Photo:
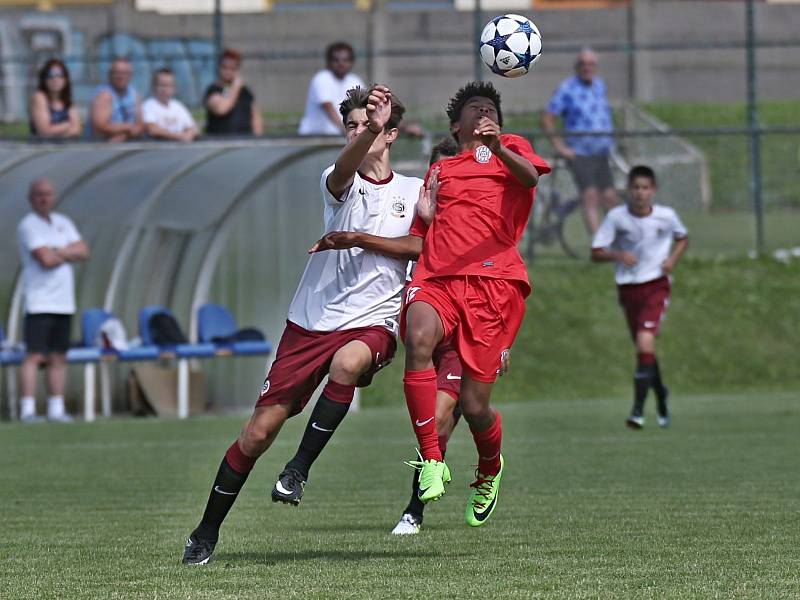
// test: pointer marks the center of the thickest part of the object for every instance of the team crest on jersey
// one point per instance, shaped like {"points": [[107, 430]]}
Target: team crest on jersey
{"points": [[398, 207], [483, 155]]}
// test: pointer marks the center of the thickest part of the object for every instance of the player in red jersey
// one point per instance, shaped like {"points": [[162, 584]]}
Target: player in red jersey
{"points": [[471, 283]]}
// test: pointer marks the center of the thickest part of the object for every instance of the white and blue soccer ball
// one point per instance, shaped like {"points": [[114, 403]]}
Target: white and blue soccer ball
{"points": [[510, 45]]}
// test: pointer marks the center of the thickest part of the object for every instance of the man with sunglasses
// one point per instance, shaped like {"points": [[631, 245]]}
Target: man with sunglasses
{"points": [[327, 90], [582, 103]]}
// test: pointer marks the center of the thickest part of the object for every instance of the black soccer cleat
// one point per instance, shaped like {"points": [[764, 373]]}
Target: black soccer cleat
{"points": [[289, 487], [198, 550]]}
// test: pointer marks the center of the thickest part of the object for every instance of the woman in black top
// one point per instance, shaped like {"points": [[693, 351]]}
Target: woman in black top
{"points": [[230, 105], [51, 109]]}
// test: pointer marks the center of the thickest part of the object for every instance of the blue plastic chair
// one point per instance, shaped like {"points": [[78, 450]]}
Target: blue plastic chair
{"points": [[215, 321], [10, 356], [92, 320]]}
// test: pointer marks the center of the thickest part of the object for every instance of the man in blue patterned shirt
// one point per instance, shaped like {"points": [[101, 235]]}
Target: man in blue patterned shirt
{"points": [[582, 104]]}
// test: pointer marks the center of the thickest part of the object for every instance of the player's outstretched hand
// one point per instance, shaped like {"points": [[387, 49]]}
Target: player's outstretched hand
{"points": [[426, 205], [489, 132], [335, 240], [379, 107]]}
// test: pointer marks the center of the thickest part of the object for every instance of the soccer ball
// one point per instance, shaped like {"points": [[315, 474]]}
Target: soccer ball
{"points": [[510, 45]]}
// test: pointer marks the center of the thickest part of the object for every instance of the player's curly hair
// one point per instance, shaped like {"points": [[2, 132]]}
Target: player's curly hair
{"points": [[358, 97], [484, 89]]}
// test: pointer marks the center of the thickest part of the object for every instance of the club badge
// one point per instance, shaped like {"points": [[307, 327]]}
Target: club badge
{"points": [[483, 155]]}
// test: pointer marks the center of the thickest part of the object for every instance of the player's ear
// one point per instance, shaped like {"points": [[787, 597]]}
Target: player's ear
{"points": [[454, 129], [392, 134]]}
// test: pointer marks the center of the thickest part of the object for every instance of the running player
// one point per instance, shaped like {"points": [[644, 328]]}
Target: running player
{"points": [[342, 320], [470, 283], [639, 238]]}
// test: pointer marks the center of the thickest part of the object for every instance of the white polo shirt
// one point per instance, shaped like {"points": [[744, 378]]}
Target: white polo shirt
{"points": [[46, 290], [325, 87], [648, 238], [174, 117], [343, 289]]}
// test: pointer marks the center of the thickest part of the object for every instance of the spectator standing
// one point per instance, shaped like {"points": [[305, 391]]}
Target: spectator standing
{"points": [[51, 110], [582, 103], [48, 243], [327, 90], [230, 105], [165, 117], [115, 114]]}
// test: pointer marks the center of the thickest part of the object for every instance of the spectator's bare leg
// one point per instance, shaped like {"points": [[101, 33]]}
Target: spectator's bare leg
{"points": [[56, 374], [27, 373], [609, 198], [590, 201]]}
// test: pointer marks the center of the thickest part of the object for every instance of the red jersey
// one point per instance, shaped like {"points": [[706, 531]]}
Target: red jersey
{"points": [[481, 214]]}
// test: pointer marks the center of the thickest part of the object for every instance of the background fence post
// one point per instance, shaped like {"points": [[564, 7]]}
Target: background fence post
{"points": [[753, 124]]}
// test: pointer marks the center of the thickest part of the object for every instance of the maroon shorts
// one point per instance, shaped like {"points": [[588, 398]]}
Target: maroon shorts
{"points": [[483, 315], [304, 358], [644, 304], [448, 368]]}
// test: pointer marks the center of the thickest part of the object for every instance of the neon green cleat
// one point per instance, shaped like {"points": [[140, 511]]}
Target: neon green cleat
{"points": [[483, 498], [433, 474]]}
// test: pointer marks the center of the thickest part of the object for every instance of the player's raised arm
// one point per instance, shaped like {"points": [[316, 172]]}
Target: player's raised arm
{"points": [[379, 111]]}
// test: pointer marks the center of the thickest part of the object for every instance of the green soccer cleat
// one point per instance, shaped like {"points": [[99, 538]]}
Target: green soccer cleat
{"points": [[433, 474], [483, 498]]}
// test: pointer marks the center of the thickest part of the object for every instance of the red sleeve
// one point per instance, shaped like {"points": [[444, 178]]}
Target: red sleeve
{"points": [[523, 147], [419, 228]]}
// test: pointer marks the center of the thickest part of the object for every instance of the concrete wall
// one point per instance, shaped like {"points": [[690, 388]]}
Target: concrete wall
{"points": [[439, 49]]}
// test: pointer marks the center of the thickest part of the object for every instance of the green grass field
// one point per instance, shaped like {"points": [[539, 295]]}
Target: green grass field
{"points": [[707, 509]]}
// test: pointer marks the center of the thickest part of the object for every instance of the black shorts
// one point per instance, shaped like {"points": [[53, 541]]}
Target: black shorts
{"points": [[46, 333], [592, 171]]}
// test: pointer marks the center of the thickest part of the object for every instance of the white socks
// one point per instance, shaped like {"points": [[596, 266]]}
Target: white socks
{"points": [[27, 407], [55, 407]]}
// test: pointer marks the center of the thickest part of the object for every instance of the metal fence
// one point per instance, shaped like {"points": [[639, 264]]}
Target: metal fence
{"points": [[739, 175]]}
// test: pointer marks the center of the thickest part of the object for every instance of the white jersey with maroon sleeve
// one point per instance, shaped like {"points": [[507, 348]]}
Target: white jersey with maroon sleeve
{"points": [[648, 238], [343, 289]]}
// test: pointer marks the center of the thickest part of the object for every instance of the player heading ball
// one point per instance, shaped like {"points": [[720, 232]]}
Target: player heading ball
{"points": [[471, 283]]}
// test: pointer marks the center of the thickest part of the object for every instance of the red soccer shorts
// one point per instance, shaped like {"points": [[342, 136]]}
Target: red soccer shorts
{"points": [[304, 358], [644, 304], [448, 368], [482, 314]]}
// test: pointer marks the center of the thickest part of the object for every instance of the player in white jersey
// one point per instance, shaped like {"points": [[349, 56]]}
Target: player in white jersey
{"points": [[342, 320], [646, 241]]}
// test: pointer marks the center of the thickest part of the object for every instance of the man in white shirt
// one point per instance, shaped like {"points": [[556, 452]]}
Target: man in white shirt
{"points": [[639, 238], [48, 242], [342, 320], [164, 117], [327, 90]]}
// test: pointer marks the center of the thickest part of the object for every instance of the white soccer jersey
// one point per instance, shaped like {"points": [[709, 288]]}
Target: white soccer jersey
{"points": [[343, 289], [648, 238]]}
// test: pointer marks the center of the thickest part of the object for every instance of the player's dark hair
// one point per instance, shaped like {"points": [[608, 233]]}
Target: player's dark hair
{"points": [[445, 147], [642, 171], [358, 97], [484, 89], [338, 47]]}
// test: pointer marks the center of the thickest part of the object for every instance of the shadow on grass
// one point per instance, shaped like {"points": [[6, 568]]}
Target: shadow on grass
{"points": [[272, 558]]}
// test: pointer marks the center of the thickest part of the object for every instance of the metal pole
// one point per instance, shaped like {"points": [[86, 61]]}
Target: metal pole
{"points": [[218, 35], [478, 17], [630, 54], [753, 125]]}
